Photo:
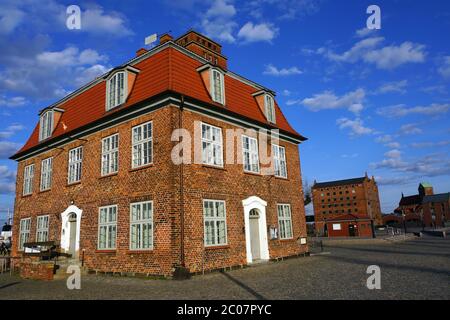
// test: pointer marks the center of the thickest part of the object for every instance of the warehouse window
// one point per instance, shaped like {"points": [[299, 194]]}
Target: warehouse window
{"points": [[141, 226], [116, 88], [250, 154], [217, 86], [212, 147], [270, 108], [75, 165], [107, 227], [42, 228], [110, 154], [46, 174], [215, 223], [285, 221], [279, 158], [24, 234], [142, 149], [28, 175], [46, 125]]}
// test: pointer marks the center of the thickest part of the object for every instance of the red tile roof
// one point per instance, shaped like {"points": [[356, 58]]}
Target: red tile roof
{"points": [[166, 70]]}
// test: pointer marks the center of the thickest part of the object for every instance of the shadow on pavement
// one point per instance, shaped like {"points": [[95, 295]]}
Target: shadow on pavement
{"points": [[9, 285], [244, 286]]}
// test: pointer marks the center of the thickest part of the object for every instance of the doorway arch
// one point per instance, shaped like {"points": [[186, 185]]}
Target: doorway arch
{"points": [[70, 230], [255, 229]]}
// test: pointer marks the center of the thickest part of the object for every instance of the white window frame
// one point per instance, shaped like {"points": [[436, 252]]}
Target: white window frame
{"points": [[75, 165], [114, 97], [279, 159], [46, 125], [220, 99], [108, 224], [24, 232], [336, 227], [137, 158], [269, 107], [141, 222], [42, 228], [215, 219], [28, 177], [46, 174], [253, 155], [283, 218], [110, 155], [212, 147]]}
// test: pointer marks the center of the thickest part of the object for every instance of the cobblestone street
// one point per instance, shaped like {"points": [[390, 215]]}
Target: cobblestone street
{"points": [[416, 269]]}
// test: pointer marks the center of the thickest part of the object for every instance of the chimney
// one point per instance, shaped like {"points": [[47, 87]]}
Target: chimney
{"points": [[140, 52], [165, 38]]}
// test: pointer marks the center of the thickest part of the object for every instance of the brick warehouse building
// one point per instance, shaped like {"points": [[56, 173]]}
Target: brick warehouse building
{"points": [[346, 208], [97, 175]]}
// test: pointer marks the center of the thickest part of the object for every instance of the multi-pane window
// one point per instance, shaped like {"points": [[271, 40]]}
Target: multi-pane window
{"points": [[46, 174], [107, 227], [270, 108], [116, 90], [110, 154], [141, 226], [75, 164], [285, 221], [279, 159], [250, 154], [42, 228], [28, 175], [217, 86], [46, 125], [24, 233], [212, 145], [142, 149], [215, 222]]}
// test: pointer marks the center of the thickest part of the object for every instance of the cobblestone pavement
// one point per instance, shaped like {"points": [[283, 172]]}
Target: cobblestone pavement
{"points": [[416, 269]]}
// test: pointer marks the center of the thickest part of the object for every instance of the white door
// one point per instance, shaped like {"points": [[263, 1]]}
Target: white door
{"points": [[73, 234], [254, 235]]}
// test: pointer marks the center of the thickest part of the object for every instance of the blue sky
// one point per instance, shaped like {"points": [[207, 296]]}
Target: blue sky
{"points": [[375, 101]]}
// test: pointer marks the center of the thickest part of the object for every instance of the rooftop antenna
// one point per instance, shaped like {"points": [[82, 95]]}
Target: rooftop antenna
{"points": [[153, 38]]}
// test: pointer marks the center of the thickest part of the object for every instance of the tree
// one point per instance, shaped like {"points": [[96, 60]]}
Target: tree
{"points": [[307, 192]]}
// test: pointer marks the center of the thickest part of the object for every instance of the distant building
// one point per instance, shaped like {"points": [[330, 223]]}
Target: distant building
{"points": [[346, 208], [433, 210]]}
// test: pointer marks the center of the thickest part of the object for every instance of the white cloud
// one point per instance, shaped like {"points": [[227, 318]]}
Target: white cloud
{"points": [[11, 130], [10, 19], [96, 21], [393, 145], [419, 145], [393, 154], [7, 149], [258, 32], [410, 128], [397, 86], [444, 70], [402, 110], [69, 57], [353, 101], [365, 32], [388, 57], [7, 177], [12, 102], [286, 93], [274, 71], [349, 156], [384, 139], [218, 21], [356, 126], [282, 9]]}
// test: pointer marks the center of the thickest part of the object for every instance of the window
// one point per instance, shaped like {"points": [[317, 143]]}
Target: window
{"points": [[24, 235], [107, 228], [279, 157], [75, 165], [42, 228], [212, 145], [142, 149], [28, 175], [141, 226], [270, 108], [46, 125], [110, 154], [250, 154], [285, 221], [215, 222], [336, 226], [46, 174], [116, 89], [217, 86]]}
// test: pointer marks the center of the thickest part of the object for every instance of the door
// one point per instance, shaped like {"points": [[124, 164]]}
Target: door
{"points": [[254, 235], [351, 230], [73, 234]]}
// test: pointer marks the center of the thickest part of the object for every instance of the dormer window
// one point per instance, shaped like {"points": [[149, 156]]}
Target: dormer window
{"points": [[217, 86], [270, 108], [116, 90], [46, 125]]}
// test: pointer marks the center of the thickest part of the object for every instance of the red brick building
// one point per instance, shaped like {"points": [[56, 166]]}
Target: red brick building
{"points": [[98, 173], [346, 208], [427, 208]]}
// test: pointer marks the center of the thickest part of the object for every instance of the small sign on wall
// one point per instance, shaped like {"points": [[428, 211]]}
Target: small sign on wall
{"points": [[336, 226], [273, 231], [302, 240]]}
